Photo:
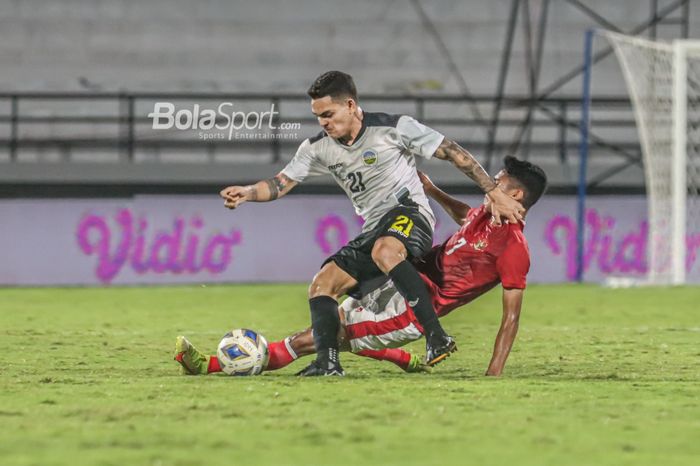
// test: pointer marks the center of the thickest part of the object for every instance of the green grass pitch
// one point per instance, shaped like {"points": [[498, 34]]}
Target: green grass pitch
{"points": [[597, 376]]}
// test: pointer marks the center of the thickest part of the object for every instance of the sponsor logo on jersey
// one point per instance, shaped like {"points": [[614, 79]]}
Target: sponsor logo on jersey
{"points": [[369, 157], [398, 232], [336, 170]]}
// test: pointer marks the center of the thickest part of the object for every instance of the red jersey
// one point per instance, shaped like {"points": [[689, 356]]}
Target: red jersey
{"points": [[474, 260]]}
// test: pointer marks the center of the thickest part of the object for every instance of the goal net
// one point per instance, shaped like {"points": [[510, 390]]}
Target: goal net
{"points": [[663, 80]]}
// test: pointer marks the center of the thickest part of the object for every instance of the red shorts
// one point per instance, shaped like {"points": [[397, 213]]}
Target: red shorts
{"points": [[380, 320]]}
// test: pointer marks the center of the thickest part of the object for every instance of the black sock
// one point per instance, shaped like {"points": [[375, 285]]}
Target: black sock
{"points": [[412, 288], [326, 323]]}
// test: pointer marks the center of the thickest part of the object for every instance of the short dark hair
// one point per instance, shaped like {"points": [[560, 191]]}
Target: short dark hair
{"points": [[335, 84], [530, 178]]}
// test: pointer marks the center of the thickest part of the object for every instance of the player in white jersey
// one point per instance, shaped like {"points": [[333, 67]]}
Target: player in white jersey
{"points": [[371, 156]]}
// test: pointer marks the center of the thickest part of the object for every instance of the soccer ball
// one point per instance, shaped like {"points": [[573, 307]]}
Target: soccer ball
{"points": [[242, 352]]}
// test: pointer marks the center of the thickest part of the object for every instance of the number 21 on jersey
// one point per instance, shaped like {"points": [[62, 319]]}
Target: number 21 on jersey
{"points": [[356, 183], [402, 225]]}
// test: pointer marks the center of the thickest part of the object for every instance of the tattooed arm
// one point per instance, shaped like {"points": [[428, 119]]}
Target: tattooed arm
{"points": [[501, 204], [466, 163], [262, 191]]}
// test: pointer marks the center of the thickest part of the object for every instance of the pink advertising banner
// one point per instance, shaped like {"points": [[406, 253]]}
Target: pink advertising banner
{"points": [[194, 239]]}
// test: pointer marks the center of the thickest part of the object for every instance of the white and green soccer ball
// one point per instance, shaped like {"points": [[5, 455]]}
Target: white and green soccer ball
{"points": [[242, 352]]}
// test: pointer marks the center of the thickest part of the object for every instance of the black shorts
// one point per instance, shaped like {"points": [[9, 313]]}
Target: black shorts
{"points": [[405, 223]]}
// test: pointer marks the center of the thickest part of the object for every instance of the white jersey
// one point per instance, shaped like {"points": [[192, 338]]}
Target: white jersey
{"points": [[378, 169]]}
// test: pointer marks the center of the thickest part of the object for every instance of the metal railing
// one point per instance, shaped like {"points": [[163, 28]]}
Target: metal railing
{"points": [[126, 128]]}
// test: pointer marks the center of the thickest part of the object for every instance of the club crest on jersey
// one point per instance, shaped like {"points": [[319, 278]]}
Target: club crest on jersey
{"points": [[480, 245], [369, 157]]}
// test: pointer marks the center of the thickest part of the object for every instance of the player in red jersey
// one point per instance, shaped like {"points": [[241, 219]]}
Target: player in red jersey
{"points": [[479, 256]]}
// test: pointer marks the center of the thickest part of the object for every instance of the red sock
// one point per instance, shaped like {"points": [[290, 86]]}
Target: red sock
{"points": [[281, 355], [213, 364], [396, 355]]}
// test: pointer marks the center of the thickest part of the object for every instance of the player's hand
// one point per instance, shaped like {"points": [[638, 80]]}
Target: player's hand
{"points": [[502, 205], [234, 196], [428, 184]]}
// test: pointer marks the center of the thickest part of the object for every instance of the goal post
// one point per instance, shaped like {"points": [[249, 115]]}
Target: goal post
{"points": [[679, 191], [663, 81]]}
